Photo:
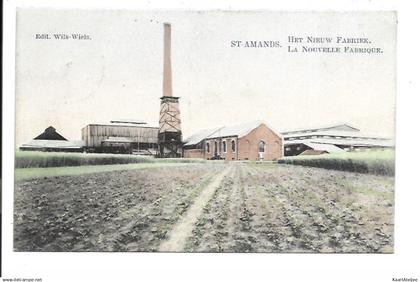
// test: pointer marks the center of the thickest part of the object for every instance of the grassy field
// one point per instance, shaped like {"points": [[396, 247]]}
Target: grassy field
{"points": [[42, 172], [215, 206], [373, 162], [28, 159]]}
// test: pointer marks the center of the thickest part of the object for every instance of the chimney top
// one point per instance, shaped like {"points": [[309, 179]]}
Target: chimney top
{"points": [[167, 69]]}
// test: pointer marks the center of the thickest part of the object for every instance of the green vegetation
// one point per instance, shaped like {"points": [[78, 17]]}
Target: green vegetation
{"points": [[373, 162], [41, 172], [25, 159]]}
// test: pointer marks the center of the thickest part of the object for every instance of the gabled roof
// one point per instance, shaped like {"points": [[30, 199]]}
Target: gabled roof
{"points": [[336, 127], [239, 130], [199, 136]]}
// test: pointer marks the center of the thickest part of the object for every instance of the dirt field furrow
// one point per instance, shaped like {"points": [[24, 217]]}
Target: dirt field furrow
{"points": [[120, 211], [183, 229], [334, 206], [211, 230], [209, 207]]}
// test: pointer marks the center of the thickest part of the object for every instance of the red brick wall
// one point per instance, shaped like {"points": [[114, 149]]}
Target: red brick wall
{"points": [[229, 154], [193, 153], [248, 145]]}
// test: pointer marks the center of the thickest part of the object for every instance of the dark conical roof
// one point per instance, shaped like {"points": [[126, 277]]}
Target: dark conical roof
{"points": [[50, 134]]}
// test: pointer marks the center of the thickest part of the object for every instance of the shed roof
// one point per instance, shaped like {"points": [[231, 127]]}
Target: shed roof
{"points": [[324, 147], [56, 144]]}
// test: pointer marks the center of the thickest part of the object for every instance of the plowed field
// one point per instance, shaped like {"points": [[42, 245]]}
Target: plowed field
{"points": [[211, 207]]}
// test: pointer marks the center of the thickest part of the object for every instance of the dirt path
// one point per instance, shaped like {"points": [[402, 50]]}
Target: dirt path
{"points": [[116, 211], [183, 229]]}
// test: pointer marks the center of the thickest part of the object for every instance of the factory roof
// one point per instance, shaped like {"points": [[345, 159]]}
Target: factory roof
{"points": [[128, 121], [337, 127], [344, 142], [123, 125], [199, 136], [239, 130], [339, 133]]}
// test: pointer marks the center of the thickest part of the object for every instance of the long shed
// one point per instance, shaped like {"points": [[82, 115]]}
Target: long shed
{"points": [[123, 138]]}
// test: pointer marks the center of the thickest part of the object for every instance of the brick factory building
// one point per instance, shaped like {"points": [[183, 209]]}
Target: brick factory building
{"points": [[251, 141]]}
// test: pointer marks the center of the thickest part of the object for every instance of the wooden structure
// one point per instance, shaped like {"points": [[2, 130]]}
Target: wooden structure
{"points": [[251, 141], [170, 134], [120, 138]]}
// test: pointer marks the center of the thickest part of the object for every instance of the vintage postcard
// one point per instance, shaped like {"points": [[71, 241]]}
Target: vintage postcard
{"points": [[204, 131]]}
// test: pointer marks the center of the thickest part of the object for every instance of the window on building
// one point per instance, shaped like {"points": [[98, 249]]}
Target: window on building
{"points": [[208, 147], [233, 146], [224, 146], [261, 147], [215, 148]]}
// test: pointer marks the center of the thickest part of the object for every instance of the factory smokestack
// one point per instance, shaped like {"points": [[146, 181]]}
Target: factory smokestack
{"points": [[170, 135], [167, 68]]}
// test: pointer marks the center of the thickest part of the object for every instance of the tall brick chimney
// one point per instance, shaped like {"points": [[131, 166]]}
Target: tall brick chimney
{"points": [[170, 134], [167, 68]]}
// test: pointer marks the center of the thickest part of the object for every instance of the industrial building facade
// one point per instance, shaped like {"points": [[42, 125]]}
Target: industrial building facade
{"points": [[331, 139], [251, 141], [120, 138]]}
